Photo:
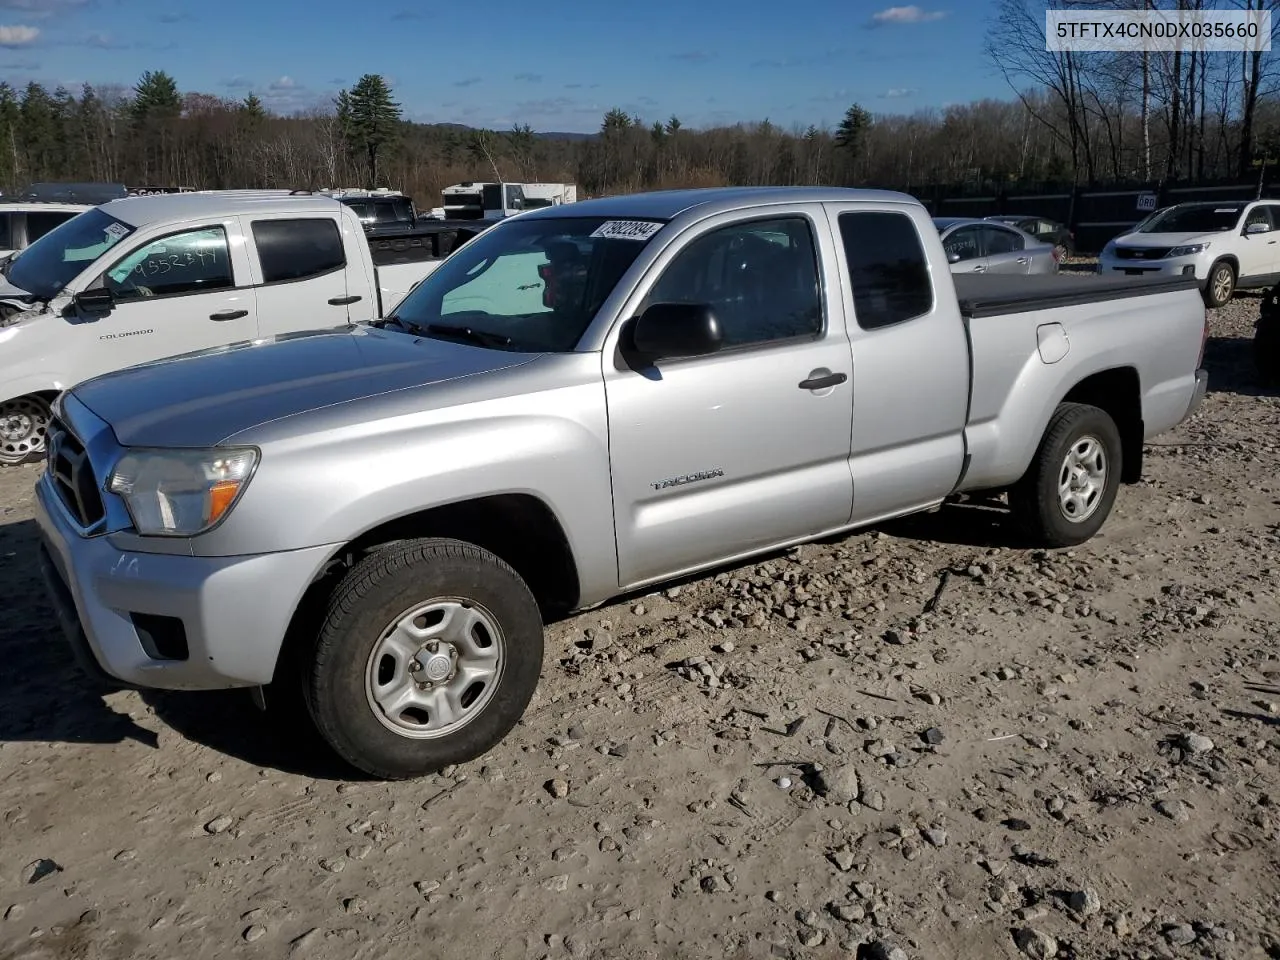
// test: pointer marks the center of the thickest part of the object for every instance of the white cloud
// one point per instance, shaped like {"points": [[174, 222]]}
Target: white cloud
{"points": [[18, 36], [894, 93], [284, 83], [911, 14]]}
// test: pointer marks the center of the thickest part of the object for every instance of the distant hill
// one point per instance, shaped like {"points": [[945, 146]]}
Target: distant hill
{"points": [[541, 135]]}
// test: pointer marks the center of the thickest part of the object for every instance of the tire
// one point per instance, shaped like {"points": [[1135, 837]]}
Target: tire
{"points": [[347, 686], [1062, 251], [24, 426], [1037, 505], [1221, 285]]}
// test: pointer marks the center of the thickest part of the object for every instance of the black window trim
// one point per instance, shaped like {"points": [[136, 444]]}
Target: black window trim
{"points": [[851, 303], [101, 281], [759, 345], [340, 268]]}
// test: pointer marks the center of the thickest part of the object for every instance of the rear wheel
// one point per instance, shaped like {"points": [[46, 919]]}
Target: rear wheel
{"points": [[428, 656], [1068, 491], [1221, 285], [24, 425]]}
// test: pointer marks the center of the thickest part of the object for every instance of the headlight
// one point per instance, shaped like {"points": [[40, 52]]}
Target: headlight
{"points": [[180, 493], [1188, 250]]}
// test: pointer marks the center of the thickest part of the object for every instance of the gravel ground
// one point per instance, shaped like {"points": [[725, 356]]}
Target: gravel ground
{"points": [[915, 742]]}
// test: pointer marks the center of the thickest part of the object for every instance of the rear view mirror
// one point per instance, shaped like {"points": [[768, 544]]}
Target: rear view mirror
{"points": [[670, 330], [953, 257], [1257, 228], [98, 301]]}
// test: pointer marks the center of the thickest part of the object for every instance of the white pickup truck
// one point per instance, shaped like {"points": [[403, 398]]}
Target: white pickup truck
{"points": [[145, 278]]}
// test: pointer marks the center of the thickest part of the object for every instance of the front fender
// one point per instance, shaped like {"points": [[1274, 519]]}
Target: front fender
{"points": [[333, 487]]}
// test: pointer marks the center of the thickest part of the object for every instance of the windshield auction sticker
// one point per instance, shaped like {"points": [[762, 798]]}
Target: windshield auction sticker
{"points": [[627, 229]]}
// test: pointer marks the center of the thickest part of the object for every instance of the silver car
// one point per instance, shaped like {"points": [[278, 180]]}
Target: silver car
{"points": [[982, 246]]}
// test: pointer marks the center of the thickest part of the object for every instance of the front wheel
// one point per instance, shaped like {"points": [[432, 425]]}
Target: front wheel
{"points": [[24, 425], [1068, 491], [1221, 285], [428, 656]]}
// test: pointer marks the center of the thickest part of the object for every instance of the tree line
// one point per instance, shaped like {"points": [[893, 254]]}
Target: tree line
{"points": [[1122, 118]]}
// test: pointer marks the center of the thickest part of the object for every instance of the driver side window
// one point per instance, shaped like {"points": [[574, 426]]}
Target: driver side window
{"points": [[1260, 215], [760, 277], [184, 263], [964, 243]]}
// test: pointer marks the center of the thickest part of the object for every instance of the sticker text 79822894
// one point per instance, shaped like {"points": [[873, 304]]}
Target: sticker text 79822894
{"points": [[627, 229]]}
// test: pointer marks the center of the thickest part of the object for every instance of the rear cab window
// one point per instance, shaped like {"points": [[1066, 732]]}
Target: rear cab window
{"points": [[298, 249], [888, 268]]}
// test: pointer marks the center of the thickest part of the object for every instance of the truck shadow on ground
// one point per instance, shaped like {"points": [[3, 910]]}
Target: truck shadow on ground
{"points": [[45, 698], [1230, 363]]}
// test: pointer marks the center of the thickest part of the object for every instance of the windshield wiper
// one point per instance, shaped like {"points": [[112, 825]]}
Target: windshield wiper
{"points": [[483, 338]]}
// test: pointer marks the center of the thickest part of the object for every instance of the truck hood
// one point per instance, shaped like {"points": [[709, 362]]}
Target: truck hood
{"points": [[200, 399], [1144, 241]]}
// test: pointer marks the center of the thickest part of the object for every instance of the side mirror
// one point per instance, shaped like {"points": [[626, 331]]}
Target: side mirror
{"points": [[953, 257], [1256, 228], [677, 330], [97, 302]]}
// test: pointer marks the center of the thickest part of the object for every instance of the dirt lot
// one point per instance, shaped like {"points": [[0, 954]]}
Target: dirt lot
{"points": [[919, 739]]}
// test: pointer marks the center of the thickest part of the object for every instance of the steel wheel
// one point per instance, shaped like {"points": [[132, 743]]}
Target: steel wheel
{"points": [[24, 423], [434, 668], [1083, 479]]}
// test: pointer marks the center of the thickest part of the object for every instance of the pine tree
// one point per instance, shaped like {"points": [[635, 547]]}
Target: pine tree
{"points": [[370, 120]]}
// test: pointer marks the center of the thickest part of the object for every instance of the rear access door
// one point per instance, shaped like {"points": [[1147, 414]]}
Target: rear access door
{"points": [[910, 363], [301, 273]]}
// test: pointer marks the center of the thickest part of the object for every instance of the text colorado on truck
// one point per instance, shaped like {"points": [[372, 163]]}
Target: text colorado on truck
{"points": [[383, 518]]}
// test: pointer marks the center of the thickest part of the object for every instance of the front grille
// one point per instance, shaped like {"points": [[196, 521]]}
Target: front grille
{"points": [[72, 475], [1142, 253]]}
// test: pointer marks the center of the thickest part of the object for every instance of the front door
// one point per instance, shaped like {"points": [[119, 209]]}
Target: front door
{"points": [[1259, 252], [180, 293], [720, 456]]}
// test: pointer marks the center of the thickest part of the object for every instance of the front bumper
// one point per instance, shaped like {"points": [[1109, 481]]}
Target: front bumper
{"points": [[1192, 265], [169, 621]]}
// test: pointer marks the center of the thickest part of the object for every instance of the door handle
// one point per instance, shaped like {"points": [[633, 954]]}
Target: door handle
{"points": [[979, 268], [820, 383], [1024, 259], [343, 301], [229, 315]]}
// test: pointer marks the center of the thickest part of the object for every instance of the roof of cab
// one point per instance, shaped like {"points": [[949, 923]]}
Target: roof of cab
{"points": [[145, 210], [668, 204]]}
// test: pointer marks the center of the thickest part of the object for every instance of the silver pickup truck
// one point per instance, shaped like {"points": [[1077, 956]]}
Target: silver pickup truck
{"points": [[583, 401]]}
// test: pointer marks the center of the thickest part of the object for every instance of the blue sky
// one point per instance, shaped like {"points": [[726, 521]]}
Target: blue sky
{"points": [[555, 64]]}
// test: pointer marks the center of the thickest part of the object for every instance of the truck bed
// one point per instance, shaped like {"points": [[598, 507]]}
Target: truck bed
{"points": [[421, 241], [994, 295]]}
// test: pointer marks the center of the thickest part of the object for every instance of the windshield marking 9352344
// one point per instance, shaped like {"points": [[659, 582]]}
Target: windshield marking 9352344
{"points": [[531, 286]]}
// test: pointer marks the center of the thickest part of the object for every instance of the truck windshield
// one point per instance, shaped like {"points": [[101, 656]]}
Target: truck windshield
{"points": [[62, 254], [1198, 218], [526, 285]]}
